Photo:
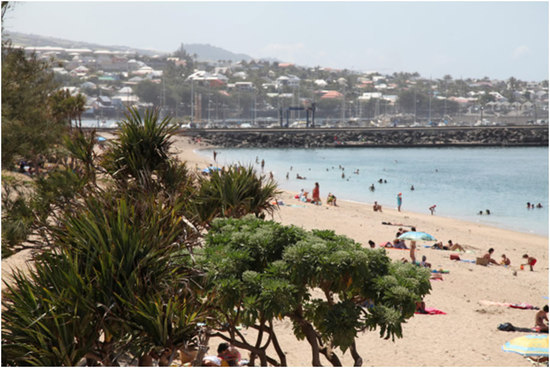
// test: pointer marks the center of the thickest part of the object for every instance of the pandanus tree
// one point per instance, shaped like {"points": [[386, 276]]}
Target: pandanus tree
{"points": [[117, 287], [114, 280], [234, 192], [328, 286]]}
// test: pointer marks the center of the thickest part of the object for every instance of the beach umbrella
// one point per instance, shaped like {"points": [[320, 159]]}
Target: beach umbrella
{"points": [[528, 345], [417, 236], [101, 139]]}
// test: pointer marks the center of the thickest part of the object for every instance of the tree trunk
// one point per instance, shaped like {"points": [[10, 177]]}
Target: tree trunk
{"points": [[311, 337], [332, 358], [280, 352], [358, 361]]}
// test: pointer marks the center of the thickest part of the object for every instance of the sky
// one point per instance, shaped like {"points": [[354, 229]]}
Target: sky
{"points": [[495, 39]]}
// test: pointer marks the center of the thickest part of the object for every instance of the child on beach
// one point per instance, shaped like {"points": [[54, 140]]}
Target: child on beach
{"points": [[505, 260], [530, 261], [540, 317], [424, 263], [376, 207]]}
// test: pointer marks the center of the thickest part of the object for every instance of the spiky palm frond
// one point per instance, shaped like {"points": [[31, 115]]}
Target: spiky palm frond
{"points": [[142, 145], [234, 192]]}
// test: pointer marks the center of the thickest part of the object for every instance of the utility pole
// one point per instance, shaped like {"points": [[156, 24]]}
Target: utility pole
{"points": [[430, 102], [414, 104], [192, 105], [344, 105], [254, 111]]}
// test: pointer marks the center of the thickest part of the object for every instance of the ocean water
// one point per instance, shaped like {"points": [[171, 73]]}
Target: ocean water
{"points": [[459, 181]]}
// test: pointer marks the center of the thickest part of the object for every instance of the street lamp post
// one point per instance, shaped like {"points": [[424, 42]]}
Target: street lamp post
{"points": [[481, 113], [192, 105]]}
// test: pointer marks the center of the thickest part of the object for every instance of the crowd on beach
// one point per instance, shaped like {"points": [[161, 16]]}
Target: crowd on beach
{"points": [[397, 243]]}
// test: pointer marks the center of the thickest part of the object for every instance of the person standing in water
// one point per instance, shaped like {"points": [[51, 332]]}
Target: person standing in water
{"points": [[399, 201]]}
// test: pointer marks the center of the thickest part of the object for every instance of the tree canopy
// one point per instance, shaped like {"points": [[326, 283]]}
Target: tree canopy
{"points": [[329, 286]]}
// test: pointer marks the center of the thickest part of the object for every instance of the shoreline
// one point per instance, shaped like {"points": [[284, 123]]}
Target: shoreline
{"points": [[467, 335], [466, 219], [469, 294]]}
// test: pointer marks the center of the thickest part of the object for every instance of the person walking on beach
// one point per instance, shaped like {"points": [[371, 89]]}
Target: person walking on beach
{"points": [[263, 164], [432, 209], [399, 201]]}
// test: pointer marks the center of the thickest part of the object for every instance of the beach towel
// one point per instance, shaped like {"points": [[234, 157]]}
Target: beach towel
{"points": [[441, 271], [523, 306], [389, 245], [510, 327], [488, 302], [431, 311], [468, 260], [509, 305]]}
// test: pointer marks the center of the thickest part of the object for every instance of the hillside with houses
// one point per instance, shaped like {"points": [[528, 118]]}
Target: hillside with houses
{"points": [[218, 93]]}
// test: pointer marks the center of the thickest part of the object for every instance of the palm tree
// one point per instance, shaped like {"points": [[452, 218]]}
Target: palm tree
{"points": [[234, 192], [77, 106], [141, 148]]}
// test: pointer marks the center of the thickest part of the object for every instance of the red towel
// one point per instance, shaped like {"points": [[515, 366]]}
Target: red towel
{"points": [[431, 311]]}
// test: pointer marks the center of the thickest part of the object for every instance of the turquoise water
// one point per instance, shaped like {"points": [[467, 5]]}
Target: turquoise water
{"points": [[460, 181]]}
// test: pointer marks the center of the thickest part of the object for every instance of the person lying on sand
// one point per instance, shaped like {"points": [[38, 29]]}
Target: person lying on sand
{"points": [[455, 246], [392, 224], [449, 246]]}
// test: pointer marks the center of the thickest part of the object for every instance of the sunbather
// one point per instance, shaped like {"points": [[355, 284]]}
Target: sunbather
{"points": [[455, 246], [540, 317]]}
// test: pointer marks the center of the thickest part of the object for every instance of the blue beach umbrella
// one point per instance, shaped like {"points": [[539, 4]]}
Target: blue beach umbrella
{"points": [[528, 345], [417, 236]]}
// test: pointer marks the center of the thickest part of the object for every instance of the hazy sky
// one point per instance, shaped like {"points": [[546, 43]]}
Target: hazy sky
{"points": [[463, 39]]}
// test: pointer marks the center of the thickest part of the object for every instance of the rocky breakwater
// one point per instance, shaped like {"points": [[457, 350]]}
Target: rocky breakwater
{"points": [[374, 137]]}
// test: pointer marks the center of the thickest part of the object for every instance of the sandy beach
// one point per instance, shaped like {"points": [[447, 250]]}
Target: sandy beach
{"points": [[467, 334]]}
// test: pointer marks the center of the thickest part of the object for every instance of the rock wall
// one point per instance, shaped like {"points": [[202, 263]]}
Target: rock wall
{"points": [[391, 137]]}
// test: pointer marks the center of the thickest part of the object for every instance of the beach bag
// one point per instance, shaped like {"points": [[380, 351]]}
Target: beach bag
{"points": [[506, 327], [455, 257]]}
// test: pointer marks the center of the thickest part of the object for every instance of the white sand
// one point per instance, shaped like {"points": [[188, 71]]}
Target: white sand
{"points": [[467, 335]]}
